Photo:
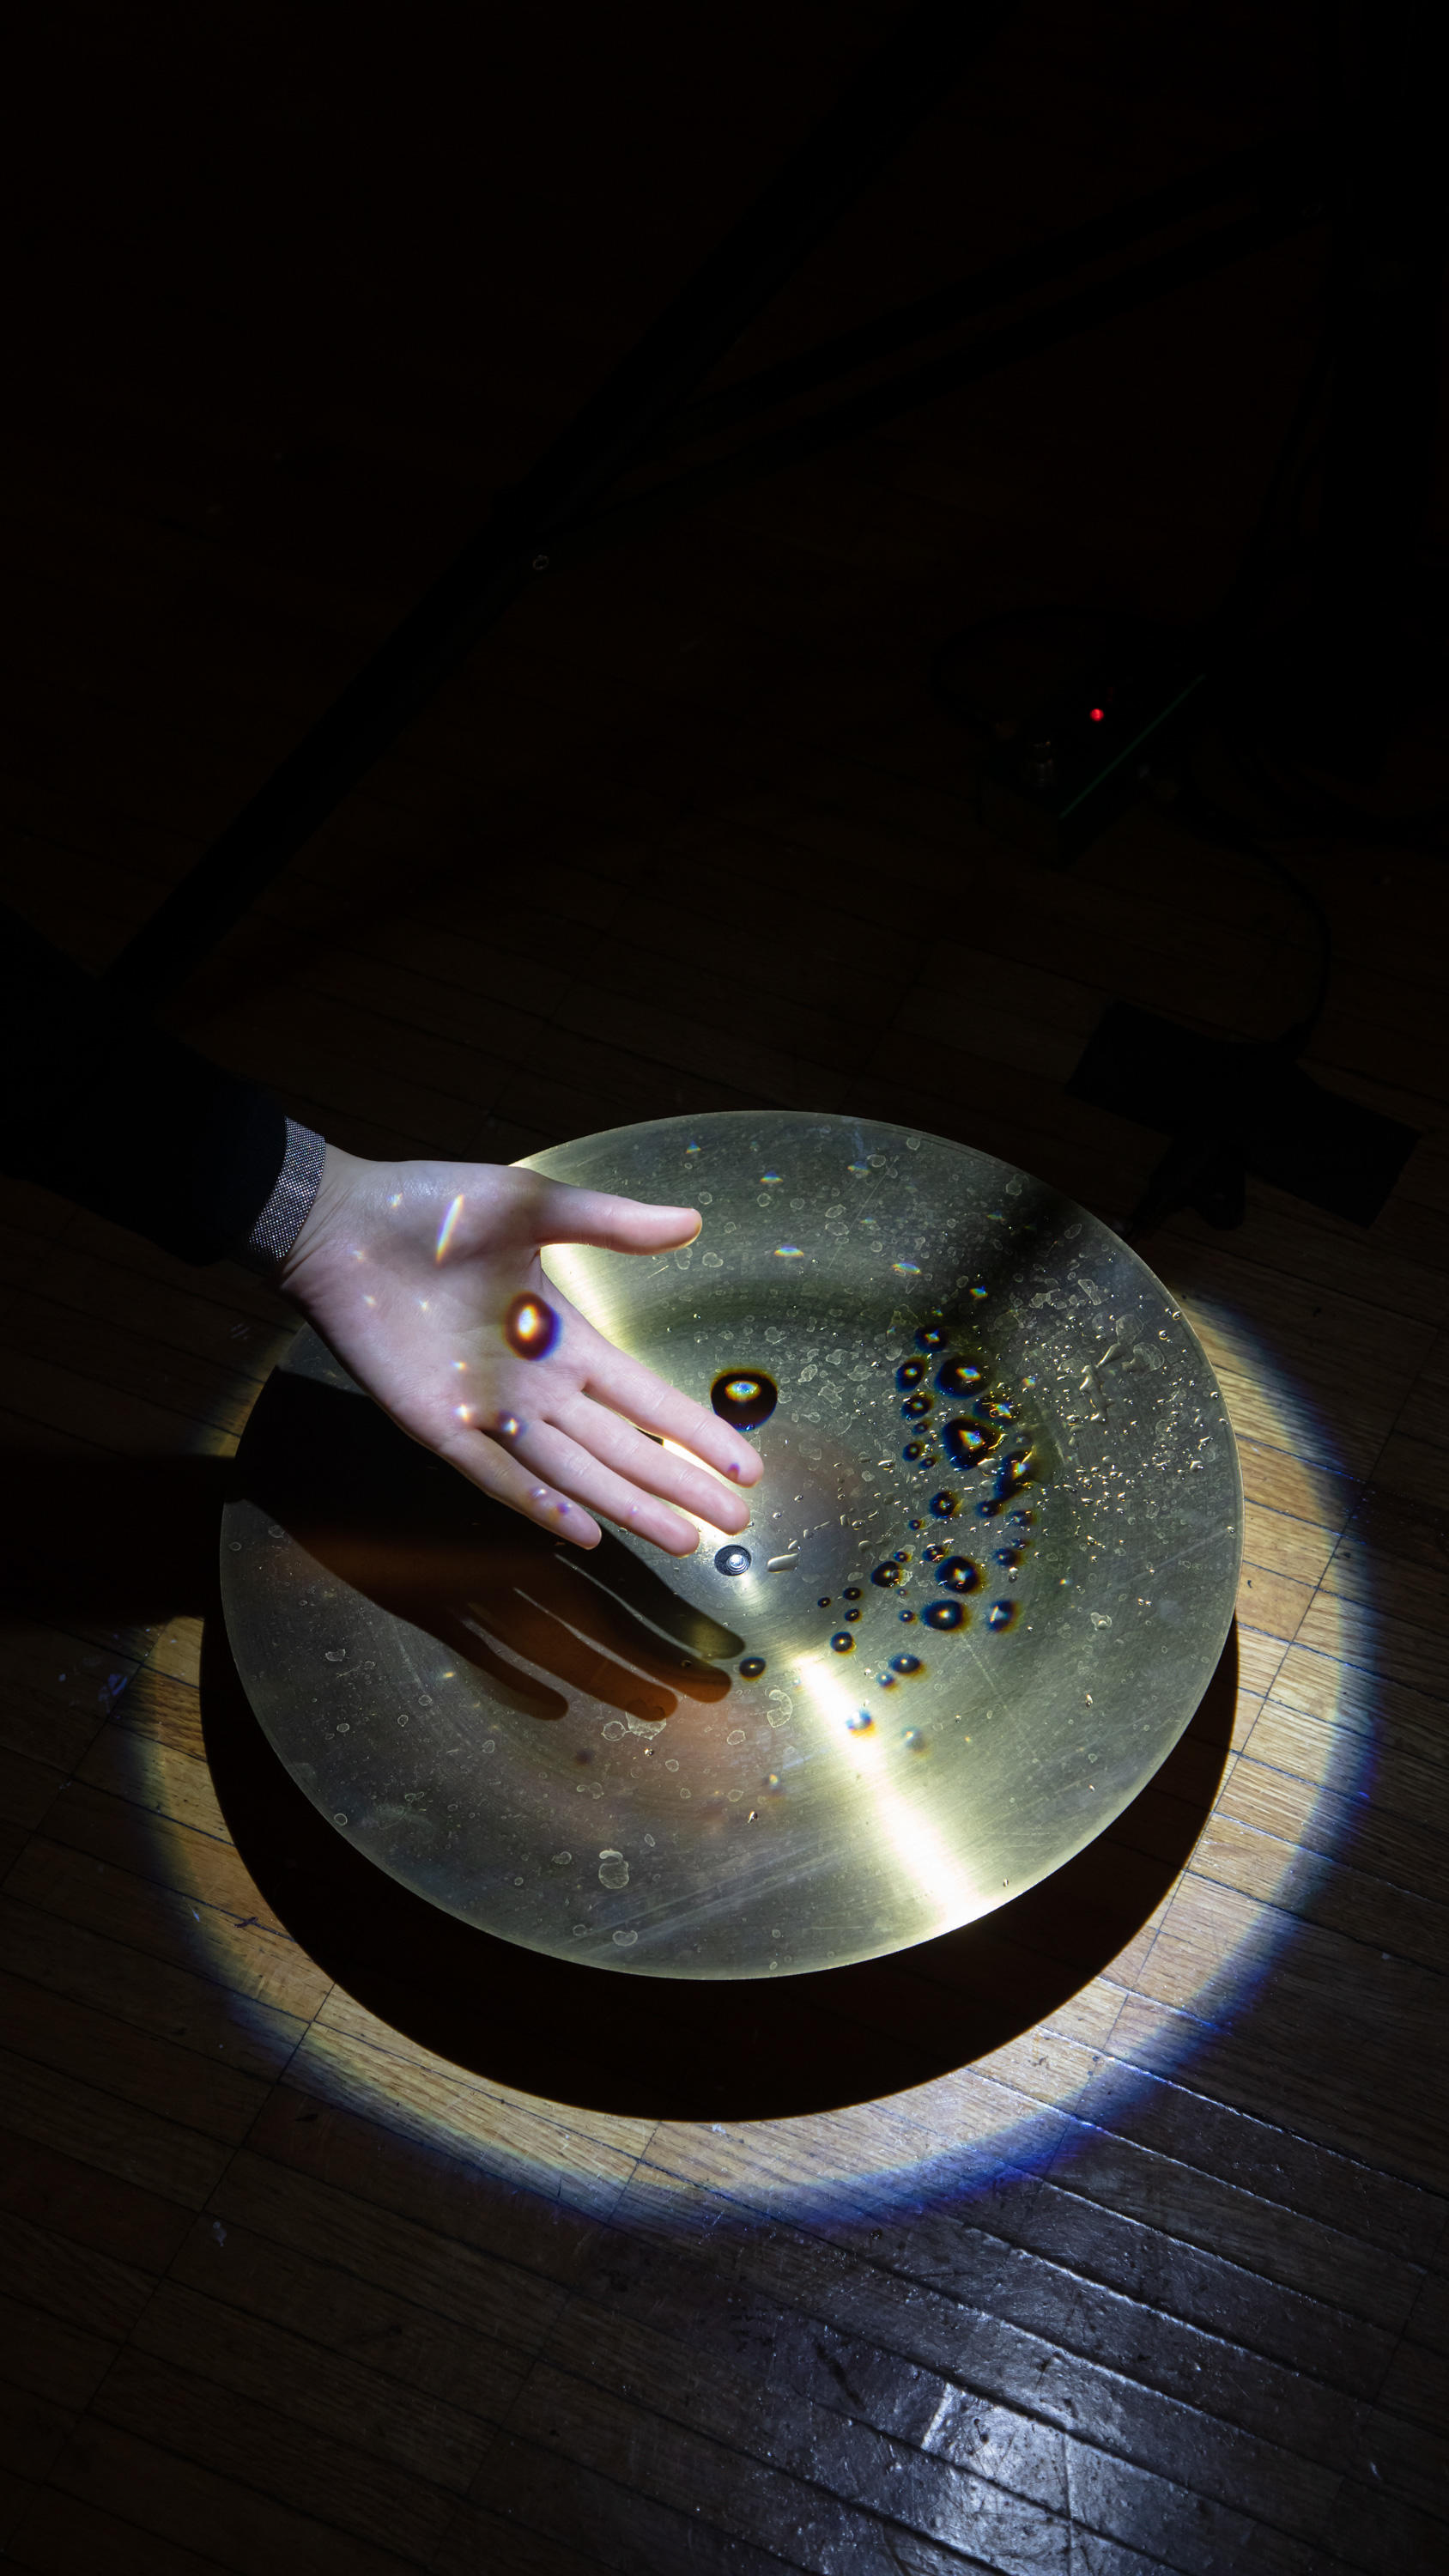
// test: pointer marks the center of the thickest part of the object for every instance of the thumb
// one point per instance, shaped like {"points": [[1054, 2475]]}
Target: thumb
{"points": [[570, 1215]]}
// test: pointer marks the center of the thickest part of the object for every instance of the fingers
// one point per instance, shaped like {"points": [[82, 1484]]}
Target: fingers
{"points": [[509, 1480], [571, 1468], [605, 1435], [627, 1387], [562, 1214]]}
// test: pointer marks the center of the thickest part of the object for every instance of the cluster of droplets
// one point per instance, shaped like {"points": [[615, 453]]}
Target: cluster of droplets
{"points": [[967, 1437]]}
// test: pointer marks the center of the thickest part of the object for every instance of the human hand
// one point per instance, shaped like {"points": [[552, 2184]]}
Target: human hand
{"points": [[407, 1270]]}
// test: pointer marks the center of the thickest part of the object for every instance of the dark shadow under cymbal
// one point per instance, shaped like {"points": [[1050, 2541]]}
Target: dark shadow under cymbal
{"points": [[666, 2050]]}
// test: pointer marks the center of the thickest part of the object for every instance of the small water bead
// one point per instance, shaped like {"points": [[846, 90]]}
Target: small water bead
{"points": [[732, 1560], [744, 1398], [944, 1506], [988, 1507], [1022, 1520], [932, 1337], [851, 1592], [886, 1575], [933, 1555], [917, 1450], [915, 1406], [959, 1574], [1009, 1556], [960, 1377], [788, 1252], [852, 1614], [989, 1408], [907, 1269], [907, 1615], [915, 1525], [906, 1664], [966, 1441], [1001, 1614], [843, 1642], [752, 1667], [910, 1373], [531, 1327], [862, 1723], [771, 1180], [824, 1601], [944, 1614], [913, 1740]]}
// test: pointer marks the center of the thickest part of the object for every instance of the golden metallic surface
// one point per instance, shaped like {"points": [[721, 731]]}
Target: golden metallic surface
{"points": [[678, 1770]]}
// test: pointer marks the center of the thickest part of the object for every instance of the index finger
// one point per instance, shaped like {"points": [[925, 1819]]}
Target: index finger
{"points": [[628, 1387]]}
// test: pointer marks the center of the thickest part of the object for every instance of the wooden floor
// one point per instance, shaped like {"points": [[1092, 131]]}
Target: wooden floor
{"points": [[1159, 2280]]}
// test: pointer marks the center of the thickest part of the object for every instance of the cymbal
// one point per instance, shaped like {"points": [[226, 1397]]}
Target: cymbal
{"points": [[991, 1566]]}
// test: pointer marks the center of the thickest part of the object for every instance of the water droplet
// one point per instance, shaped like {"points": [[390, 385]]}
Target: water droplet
{"points": [[966, 1441], [907, 1269], [905, 1614], [959, 1377], [916, 1406], [613, 1870], [744, 1398], [944, 1614], [530, 1327], [887, 1575], [824, 1601], [752, 1667], [862, 1723], [1001, 1614], [988, 1507], [913, 1740], [910, 1373], [732, 1560], [944, 1506], [852, 1614], [1021, 1520], [932, 1337], [788, 1252], [626, 1940], [959, 1574], [851, 1592], [843, 1642], [906, 1664], [339, 1820]]}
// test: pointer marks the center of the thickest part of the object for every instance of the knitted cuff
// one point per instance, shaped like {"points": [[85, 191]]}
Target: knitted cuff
{"points": [[282, 1219]]}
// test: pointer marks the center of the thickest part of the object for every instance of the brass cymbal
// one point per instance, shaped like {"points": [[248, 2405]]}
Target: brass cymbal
{"points": [[991, 1566]]}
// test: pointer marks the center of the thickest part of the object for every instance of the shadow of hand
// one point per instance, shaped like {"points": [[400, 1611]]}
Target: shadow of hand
{"points": [[392, 1521]]}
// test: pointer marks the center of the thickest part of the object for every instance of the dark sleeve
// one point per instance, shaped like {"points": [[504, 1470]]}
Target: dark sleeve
{"points": [[111, 1111]]}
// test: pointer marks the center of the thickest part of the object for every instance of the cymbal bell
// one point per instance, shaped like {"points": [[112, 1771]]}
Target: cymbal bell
{"points": [[990, 1569]]}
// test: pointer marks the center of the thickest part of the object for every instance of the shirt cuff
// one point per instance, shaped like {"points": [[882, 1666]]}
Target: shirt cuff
{"points": [[290, 1204]]}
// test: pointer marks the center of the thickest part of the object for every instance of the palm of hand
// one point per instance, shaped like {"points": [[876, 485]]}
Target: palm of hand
{"points": [[408, 1271]]}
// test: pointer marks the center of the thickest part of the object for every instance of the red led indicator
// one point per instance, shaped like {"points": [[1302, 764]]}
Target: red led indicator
{"points": [[1096, 714]]}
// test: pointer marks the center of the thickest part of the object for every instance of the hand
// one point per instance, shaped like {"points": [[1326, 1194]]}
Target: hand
{"points": [[408, 1270]]}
